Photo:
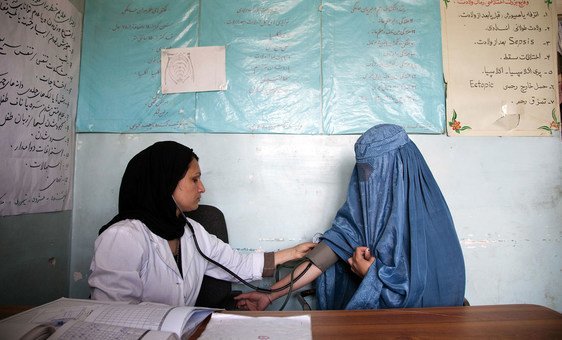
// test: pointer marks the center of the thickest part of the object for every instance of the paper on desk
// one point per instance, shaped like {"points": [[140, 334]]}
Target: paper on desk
{"points": [[229, 326]]}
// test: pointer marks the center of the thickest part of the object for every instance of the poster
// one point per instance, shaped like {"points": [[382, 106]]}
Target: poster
{"points": [[273, 67], [39, 62], [382, 63], [500, 67], [293, 67], [193, 69], [120, 80]]}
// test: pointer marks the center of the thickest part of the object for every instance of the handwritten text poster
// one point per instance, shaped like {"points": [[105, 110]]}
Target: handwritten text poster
{"points": [[500, 62], [273, 66], [120, 77], [39, 61], [382, 64], [295, 66]]}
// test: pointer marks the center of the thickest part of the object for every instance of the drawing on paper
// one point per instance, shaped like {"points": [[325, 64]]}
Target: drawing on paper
{"points": [[179, 68], [193, 69]]}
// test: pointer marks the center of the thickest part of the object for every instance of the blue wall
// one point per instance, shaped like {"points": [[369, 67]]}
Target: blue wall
{"points": [[505, 195]]}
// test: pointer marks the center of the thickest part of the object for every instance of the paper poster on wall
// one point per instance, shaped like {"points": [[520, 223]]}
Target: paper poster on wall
{"points": [[193, 69], [500, 61], [120, 77], [273, 67], [381, 63], [39, 61]]}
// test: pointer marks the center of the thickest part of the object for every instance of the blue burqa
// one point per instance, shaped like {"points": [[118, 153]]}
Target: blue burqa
{"points": [[395, 208]]}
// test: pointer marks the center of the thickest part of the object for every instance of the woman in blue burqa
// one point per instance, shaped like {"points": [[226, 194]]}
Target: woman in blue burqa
{"points": [[392, 244]]}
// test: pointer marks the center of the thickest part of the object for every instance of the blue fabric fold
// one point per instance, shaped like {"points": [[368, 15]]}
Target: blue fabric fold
{"points": [[395, 207]]}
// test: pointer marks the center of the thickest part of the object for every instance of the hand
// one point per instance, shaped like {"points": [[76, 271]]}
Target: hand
{"points": [[361, 261], [293, 253], [252, 301], [302, 249]]}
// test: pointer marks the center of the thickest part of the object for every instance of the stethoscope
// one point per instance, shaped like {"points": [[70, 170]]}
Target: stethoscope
{"points": [[241, 280]]}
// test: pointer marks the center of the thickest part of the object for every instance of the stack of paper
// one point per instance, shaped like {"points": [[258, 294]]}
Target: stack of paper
{"points": [[230, 326]]}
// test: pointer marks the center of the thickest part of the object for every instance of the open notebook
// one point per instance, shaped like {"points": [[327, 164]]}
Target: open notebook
{"points": [[88, 319]]}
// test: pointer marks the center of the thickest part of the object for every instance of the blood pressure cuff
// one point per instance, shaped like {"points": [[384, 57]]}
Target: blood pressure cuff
{"points": [[322, 256]]}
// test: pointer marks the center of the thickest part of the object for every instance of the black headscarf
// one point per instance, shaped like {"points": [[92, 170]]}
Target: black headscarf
{"points": [[147, 186]]}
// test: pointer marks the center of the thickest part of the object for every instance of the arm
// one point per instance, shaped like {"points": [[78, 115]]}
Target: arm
{"points": [[249, 267], [272, 260], [293, 253], [360, 263], [116, 265], [321, 256], [260, 301]]}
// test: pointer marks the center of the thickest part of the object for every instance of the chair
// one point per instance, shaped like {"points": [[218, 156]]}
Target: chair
{"points": [[301, 298], [214, 293]]}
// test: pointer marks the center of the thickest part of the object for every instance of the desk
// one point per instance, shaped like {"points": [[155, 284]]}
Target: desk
{"points": [[498, 322]]}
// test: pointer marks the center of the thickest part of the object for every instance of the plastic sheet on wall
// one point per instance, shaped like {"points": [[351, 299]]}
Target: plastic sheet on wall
{"points": [[273, 66], [299, 67], [120, 71], [382, 64]]}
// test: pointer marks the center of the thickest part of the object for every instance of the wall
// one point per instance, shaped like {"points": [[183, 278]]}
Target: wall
{"points": [[277, 190], [35, 253]]}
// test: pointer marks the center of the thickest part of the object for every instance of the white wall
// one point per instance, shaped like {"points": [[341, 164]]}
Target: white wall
{"points": [[277, 190]]}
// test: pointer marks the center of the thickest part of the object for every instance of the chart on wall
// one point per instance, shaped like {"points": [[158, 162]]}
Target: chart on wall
{"points": [[39, 62], [294, 66], [120, 86], [273, 66], [500, 67], [382, 63]]}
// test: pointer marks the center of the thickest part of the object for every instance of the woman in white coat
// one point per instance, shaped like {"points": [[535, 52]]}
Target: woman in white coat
{"points": [[147, 252]]}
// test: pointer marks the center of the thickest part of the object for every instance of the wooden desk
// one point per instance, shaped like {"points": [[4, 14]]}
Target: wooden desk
{"points": [[498, 322]]}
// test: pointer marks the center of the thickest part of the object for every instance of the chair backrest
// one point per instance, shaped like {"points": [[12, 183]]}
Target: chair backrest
{"points": [[214, 293]]}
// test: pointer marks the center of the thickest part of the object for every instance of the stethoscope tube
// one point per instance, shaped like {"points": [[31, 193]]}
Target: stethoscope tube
{"points": [[248, 284]]}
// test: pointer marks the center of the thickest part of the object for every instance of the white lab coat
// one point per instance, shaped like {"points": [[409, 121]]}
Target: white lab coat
{"points": [[131, 263]]}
